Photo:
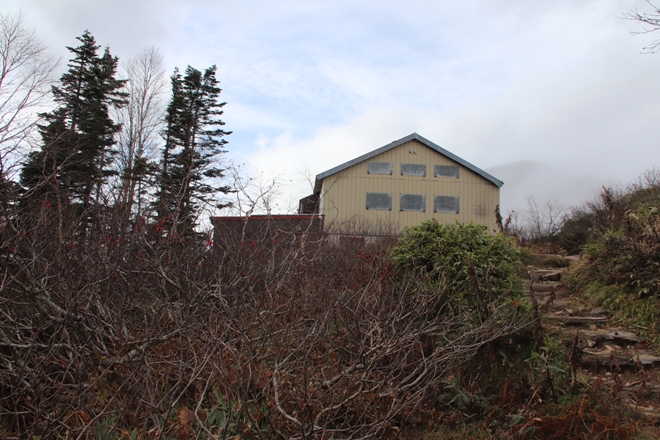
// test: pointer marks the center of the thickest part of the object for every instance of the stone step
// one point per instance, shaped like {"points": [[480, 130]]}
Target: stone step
{"points": [[555, 304], [641, 396], [642, 389], [552, 276], [574, 320], [547, 301], [648, 412], [537, 275], [543, 286], [613, 356], [593, 338], [551, 260]]}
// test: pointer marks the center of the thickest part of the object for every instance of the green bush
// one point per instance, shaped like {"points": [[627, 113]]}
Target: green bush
{"points": [[621, 265], [627, 256], [462, 257], [478, 273], [575, 231]]}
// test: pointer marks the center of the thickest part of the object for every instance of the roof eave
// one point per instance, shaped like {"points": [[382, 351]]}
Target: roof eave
{"points": [[411, 137]]}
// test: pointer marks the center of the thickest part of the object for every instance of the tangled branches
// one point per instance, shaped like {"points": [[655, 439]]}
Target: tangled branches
{"points": [[275, 334]]}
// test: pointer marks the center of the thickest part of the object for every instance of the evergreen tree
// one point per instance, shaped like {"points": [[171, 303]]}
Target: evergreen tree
{"points": [[193, 142], [167, 200], [78, 135]]}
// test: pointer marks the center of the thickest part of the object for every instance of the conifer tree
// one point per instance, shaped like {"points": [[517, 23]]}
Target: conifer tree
{"points": [[194, 139], [78, 135]]}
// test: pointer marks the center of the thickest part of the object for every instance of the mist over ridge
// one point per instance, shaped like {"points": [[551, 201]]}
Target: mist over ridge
{"points": [[544, 183]]}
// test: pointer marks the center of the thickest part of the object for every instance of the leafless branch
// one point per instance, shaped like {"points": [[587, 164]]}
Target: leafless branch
{"points": [[650, 21], [25, 77]]}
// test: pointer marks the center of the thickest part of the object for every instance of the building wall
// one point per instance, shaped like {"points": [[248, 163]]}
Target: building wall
{"points": [[258, 227], [343, 195]]}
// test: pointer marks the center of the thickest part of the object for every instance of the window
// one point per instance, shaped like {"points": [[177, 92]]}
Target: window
{"points": [[446, 204], [413, 169], [413, 202], [379, 201], [379, 167], [446, 171]]}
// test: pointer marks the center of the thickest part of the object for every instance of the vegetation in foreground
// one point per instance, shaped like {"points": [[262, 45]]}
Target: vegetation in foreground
{"points": [[621, 247], [273, 335], [123, 335]]}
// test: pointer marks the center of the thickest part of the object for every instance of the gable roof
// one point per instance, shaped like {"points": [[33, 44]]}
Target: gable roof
{"points": [[411, 137]]}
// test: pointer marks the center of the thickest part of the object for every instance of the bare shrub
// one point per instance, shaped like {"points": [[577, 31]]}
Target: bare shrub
{"points": [[538, 223], [25, 77], [650, 22], [271, 334]]}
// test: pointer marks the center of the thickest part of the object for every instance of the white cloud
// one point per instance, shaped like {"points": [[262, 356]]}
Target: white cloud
{"points": [[314, 84]]}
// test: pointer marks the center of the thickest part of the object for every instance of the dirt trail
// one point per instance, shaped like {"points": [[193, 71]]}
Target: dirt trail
{"points": [[600, 347]]}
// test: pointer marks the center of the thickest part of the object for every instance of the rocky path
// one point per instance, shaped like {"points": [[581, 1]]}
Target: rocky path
{"points": [[600, 349]]}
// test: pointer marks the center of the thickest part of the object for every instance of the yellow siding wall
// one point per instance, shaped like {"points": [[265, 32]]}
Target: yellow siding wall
{"points": [[344, 194]]}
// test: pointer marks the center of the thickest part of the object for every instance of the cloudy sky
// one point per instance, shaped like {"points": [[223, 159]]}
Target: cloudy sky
{"points": [[553, 97]]}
